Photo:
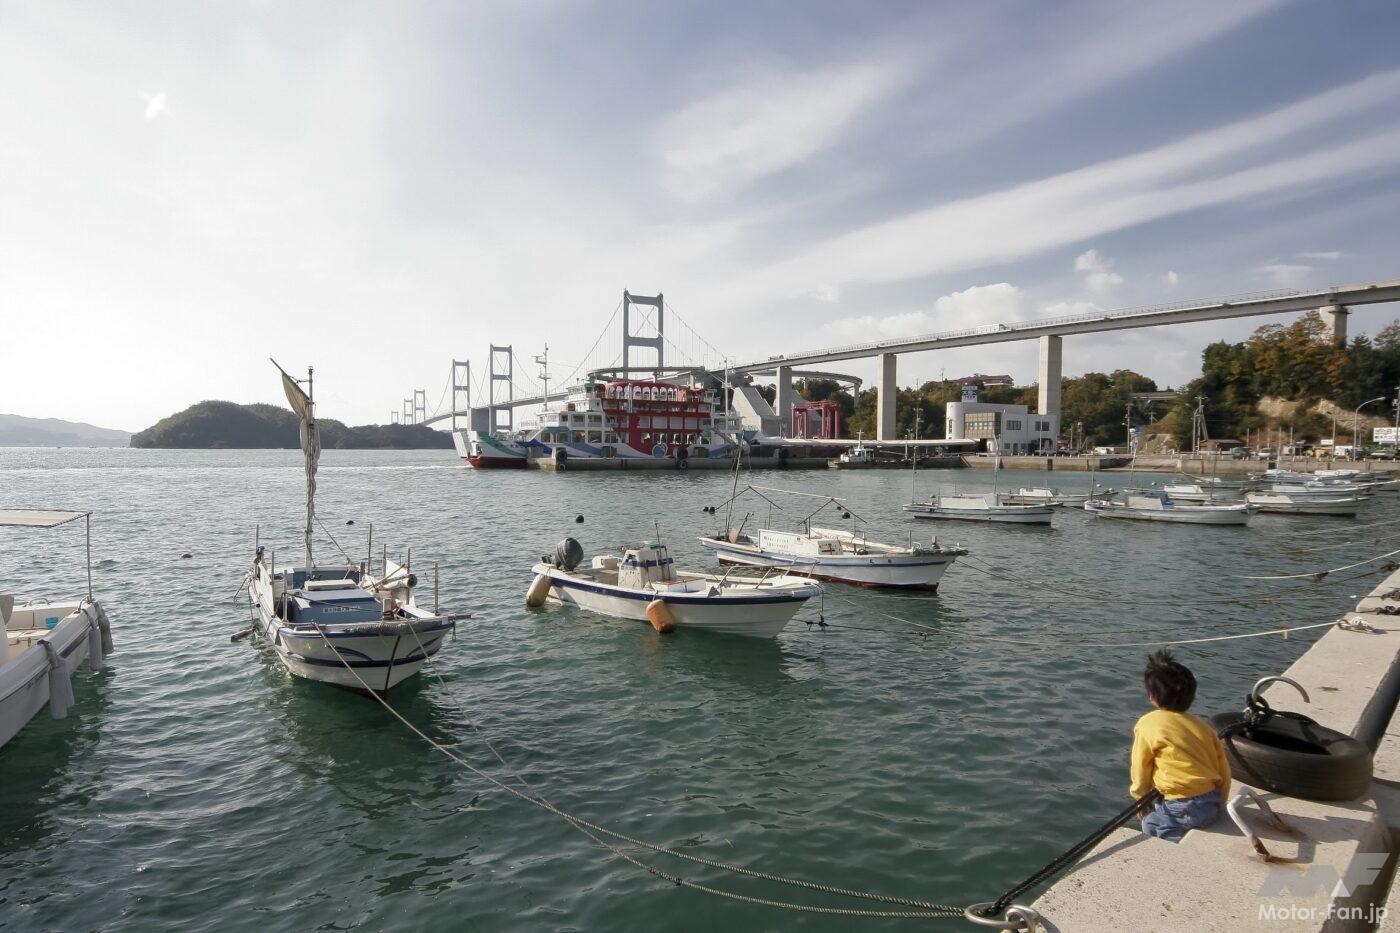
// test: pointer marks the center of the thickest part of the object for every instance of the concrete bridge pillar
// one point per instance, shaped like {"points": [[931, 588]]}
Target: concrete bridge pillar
{"points": [[884, 399], [1334, 318], [785, 399], [1051, 360]]}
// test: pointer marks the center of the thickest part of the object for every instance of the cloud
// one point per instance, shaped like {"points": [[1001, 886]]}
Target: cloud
{"points": [[972, 307], [1097, 271], [1031, 218], [827, 294], [765, 124], [155, 105], [1330, 256], [1170, 279], [1286, 275]]}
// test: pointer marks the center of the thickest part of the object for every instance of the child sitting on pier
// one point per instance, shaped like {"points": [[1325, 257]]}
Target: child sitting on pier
{"points": [[1178, 754]]}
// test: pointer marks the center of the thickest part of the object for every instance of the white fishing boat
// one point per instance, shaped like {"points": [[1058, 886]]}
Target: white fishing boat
{"points": [[1049, 495], [1290, 504], [984, 508], [642, 583], [1191, 492], [1159, 507], [46, 641], [340, 624], [1316, 490], [859, 455], [842, 556]]}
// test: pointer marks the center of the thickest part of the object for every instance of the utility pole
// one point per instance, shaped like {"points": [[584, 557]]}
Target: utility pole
{"points": [[1395, 438], [1128, 423]]}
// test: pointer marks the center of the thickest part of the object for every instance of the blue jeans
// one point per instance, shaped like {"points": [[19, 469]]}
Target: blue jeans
{"points": [[1172, 819]]}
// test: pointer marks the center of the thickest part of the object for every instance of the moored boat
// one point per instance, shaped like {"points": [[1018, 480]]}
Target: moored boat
{"points": [[1048, 495], [643, 584], [842, 556], [1159, 507], [984, 508], [46, 641], [1289, 504], [339, 624]]}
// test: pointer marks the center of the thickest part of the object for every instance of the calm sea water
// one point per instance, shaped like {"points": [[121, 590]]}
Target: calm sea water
{"points": [[196, 786]]}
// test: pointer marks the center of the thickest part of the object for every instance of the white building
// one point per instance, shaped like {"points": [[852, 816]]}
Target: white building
{"points": [[1020, 430]]}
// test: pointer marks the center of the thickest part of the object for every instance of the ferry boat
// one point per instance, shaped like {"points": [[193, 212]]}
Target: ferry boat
{"points": [[630, 419]]}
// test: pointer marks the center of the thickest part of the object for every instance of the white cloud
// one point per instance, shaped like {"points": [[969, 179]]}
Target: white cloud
{"points": [[827, 294], [1097, 271], [1071, 207], [1286, 275], [972, 307], [1170, 279], [155, 105], [1330, 256], [765, 124]]}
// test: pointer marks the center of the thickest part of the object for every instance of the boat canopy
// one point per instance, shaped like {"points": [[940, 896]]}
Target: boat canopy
{"points": [[38, 518]]}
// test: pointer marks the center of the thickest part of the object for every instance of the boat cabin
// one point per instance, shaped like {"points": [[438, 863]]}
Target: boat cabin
{"points": [[797, 544]]}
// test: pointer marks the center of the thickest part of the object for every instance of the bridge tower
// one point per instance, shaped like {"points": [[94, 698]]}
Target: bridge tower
{"points": [[407, 411], [630, 339], [461, 386], [420, 406], [502, 371], [1334, 318]]}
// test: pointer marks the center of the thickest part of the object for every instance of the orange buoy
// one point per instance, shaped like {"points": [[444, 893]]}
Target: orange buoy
{"points": [[538, 591], [661, 617]]}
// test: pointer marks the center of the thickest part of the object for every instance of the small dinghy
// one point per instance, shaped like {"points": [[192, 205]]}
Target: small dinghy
{"points": [[1160, 507], [644, 584], [340, 624], [985, 508], [842, 556], [1194, 492], [1283, 503], [45, 641]]}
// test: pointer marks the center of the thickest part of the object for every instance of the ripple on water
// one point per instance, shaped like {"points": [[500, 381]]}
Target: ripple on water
{"points": [[197, 786]]}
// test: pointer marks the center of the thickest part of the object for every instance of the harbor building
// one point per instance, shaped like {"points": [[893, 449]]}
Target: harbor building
{"points": [[1021, 430]]}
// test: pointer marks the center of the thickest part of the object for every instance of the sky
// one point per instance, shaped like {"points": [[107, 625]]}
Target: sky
{"points": [[377, 189]]}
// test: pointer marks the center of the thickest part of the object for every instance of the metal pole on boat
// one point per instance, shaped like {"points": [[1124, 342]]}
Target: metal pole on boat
{"points": [[435, 589], [87, 522], [369, 548], [311, 440]]}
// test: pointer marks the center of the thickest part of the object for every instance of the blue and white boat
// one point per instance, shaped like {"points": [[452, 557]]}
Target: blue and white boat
{"points": [[842, 556], [643, 584], [342, 624]]}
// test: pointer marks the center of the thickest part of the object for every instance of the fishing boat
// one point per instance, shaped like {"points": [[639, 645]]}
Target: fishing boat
{"points": [[1048, 495], [1160, 507], [859, 455], [841, 556], [46, 641], [642, 583], [984, 508], [340, 624], [1289, 504], [827, 553]]}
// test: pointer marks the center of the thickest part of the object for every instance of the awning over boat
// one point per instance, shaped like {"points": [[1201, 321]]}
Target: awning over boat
{"points": [[38, 518]]}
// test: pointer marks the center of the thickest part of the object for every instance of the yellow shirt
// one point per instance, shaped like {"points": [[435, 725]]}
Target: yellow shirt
{"points": [[1178, 754]]}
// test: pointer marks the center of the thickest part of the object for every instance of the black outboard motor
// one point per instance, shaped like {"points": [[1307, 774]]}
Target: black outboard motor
{"points": [[567, 554]]}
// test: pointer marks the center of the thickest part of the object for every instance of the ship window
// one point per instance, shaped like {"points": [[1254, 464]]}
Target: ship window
{"points": [[578, 437], [595, 437], [595, 419]]}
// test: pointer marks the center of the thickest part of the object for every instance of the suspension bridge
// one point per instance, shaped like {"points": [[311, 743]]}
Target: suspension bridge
{"points": [[642, 323]]}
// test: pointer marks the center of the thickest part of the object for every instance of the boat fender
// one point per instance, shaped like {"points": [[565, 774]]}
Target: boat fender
{"points": [[539, 590], [60, 688], [661, 617]]}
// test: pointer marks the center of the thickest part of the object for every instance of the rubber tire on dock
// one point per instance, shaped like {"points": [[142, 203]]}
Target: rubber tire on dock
{"points": [[1307, 760]]}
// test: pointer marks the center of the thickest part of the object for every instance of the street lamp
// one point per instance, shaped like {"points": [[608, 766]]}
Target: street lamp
{"points": [[1355, 418]]}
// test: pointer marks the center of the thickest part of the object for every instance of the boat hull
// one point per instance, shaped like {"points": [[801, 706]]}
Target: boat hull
{"points": [[910, 572], [1178, 516], [346, 656], [1022, 515], [755, 616], [1345, 508], [24, 679]]}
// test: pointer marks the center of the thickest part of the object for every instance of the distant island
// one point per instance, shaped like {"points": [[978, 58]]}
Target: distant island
{"points": [[20, 431], [213, 424]]}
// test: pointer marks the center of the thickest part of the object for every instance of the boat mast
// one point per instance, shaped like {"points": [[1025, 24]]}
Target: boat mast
{"points": [[311, 439]]}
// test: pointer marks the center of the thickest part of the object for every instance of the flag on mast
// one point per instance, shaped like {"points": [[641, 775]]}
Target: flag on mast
{"points": [[302, 404]]}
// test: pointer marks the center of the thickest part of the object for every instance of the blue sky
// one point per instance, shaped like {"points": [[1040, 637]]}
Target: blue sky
{"points": [[376, 189]]}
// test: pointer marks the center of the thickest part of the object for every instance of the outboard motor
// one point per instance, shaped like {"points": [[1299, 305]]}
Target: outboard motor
{"points": [[567, 555]]}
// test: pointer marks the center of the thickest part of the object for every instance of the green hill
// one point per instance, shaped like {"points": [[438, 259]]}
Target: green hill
{"points": [[215, 424]]}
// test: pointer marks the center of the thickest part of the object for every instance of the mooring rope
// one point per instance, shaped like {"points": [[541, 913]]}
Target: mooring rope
{"points": [[926, 909], [1322, 573]]}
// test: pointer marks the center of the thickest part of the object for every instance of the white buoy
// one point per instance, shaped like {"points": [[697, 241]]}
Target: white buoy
{"points": [[538, 592]]}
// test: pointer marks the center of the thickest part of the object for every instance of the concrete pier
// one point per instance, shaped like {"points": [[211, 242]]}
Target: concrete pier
{"points": [[1335, 875], [1052, 352]]}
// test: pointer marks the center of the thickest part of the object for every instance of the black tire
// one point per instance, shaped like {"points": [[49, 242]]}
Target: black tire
{"points": [[1296, 757]]}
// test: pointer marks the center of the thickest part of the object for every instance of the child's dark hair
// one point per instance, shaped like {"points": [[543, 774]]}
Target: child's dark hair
{"points": [[1170, 684]]}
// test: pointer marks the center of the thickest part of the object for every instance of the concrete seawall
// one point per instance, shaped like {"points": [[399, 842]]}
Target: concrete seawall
{"points": [[1212, 880]]}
